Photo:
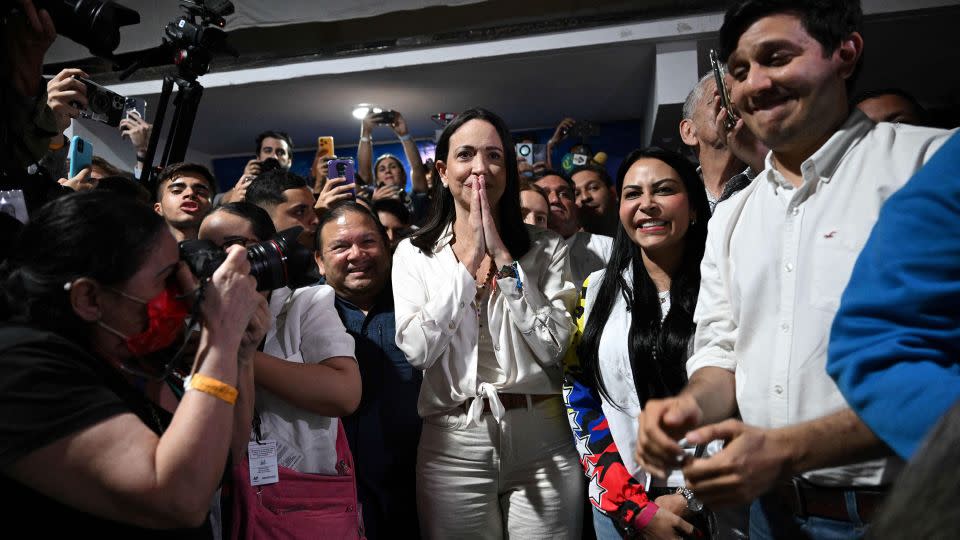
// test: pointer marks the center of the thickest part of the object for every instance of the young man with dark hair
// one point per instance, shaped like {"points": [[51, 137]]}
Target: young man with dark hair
{"points": [[270, 144], [777, 259], [287, 197], [891, 105], [183, 195], [277, 145], [588, 252], [354, 255], [596, 199]]}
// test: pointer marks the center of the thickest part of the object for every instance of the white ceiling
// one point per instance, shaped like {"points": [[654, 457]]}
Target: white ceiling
{"points": [[603, 78], [535, 90]]}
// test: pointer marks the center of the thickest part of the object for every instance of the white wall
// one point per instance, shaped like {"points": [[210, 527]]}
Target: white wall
{"points": [[108, 144]]}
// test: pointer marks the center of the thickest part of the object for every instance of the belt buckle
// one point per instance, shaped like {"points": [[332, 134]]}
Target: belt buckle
{"points": [[801, 509]]}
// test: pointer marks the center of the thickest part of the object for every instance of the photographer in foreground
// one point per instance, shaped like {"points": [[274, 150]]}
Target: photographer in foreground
{"points": [[90, 295], [307, 377]]}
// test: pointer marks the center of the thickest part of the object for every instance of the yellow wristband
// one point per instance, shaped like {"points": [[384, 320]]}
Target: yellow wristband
{"points": [[209, 385], [57, 142]]}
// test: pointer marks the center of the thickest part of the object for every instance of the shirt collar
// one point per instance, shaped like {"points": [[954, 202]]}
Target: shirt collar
{"points": [[384, 301], [579, 237], [444, 239], [821, 166]]}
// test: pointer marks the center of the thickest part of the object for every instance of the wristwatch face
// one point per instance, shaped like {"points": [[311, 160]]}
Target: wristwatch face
{"points": [[693, 504], [506, 271]]}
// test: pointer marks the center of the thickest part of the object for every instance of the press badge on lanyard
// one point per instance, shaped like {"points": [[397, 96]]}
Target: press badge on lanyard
{"points": [[263, 463]]}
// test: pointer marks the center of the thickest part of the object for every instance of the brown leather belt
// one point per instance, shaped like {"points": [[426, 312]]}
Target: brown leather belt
{"points": [[806, 499], [513, 401]]}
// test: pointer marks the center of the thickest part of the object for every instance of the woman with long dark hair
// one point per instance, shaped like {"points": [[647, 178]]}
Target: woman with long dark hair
{"points": [[639, 324], [483, 306]]}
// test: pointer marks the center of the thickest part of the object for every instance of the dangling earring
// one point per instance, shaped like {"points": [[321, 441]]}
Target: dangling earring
{"points": [[693, 221]]}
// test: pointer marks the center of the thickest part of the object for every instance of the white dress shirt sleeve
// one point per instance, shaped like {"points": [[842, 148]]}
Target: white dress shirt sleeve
{"points": [[541, 311], [717, 329], [428, 308], [323, 335]]}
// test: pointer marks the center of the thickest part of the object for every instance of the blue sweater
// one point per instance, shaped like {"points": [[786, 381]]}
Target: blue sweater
{"points": [[895, 343]]}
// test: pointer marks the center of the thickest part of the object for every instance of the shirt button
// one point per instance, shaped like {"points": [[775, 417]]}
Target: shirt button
{"points": [[461, 305], [778, 389], [785, 327], [795, 211], [451, 325], [788, 267], [496, 348]]}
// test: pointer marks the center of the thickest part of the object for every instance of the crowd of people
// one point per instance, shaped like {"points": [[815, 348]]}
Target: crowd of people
{"points": [[752, 343]]}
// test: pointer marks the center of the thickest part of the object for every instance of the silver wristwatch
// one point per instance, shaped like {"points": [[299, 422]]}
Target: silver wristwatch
{"points": [[693, 504]]}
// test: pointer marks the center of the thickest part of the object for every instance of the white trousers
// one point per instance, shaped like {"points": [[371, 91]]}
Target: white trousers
{"points": [[519, 478]]}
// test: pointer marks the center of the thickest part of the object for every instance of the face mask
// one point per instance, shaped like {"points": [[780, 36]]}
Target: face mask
{"points": [[166, 314]]}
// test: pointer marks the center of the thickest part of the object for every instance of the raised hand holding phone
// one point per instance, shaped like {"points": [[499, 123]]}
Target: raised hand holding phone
{"points": [[342, 168], [80, 155], [338, 187], [324, 146], [135, 127], [66, 96], [718, 71]]}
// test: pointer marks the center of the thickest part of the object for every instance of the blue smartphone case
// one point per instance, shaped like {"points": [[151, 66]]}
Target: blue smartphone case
{"points": [[81, 154]]}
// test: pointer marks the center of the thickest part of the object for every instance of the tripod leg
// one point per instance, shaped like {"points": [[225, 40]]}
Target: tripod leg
{"points": [[187, 103], [146, 171]]}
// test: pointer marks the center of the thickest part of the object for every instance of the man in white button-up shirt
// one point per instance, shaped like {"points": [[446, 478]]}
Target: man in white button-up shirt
{"points": [[777, 259], [588, 252]]}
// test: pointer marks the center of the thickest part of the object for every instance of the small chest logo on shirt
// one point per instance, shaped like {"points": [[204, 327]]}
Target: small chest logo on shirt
{"points": [[830, 234]]}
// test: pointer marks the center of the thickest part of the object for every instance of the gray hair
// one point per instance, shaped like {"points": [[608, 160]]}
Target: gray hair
{"points": [[695, 96]]}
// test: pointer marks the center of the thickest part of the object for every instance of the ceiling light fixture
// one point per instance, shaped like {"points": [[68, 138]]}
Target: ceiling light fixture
{"points": [[361, 110]]}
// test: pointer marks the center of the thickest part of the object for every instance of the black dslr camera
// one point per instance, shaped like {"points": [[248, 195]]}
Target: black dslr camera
{"points": [[94, 23], [281, 261], [269, 164]]}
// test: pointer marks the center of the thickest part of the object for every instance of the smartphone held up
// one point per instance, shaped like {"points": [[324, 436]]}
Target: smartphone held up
{"points": [[718, 71], [324, 146], [80, 154], [343, 168]]}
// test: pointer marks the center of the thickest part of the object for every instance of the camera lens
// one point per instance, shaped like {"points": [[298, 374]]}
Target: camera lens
{"points": [[282, 261], [267, 265], [278, 262]]}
